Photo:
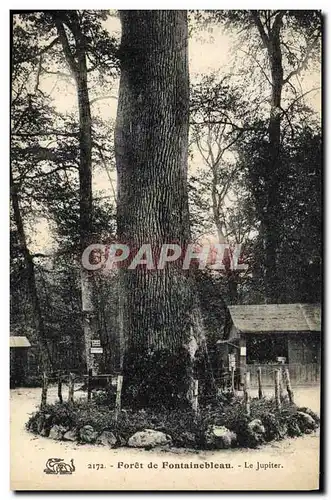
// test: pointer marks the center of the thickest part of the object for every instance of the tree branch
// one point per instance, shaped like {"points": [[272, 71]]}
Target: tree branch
{"points": [[278, 22], [50, 172], [301, 97], [39, 53], [106, 168], [45, 133], [258, 24], [57, 73], [101, 98], [259, 65], [66, 47], [304, 61]]}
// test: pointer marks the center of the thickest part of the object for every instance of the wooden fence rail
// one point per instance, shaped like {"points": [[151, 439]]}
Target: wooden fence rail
{"points": [[91, 383], [281, 380], [308, 374]]}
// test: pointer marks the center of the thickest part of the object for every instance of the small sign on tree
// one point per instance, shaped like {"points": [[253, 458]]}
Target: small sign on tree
{"points": [[96, 350]]}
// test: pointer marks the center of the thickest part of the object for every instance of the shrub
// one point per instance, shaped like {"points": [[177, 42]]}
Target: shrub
{"points": [[186, 429], [103, 398]]}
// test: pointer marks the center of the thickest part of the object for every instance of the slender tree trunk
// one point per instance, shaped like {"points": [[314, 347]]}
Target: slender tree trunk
{"points": [[231, 275], [77, 65], [161, 320], [272, 177], [31, 280], [271, 222], [86, 204]]}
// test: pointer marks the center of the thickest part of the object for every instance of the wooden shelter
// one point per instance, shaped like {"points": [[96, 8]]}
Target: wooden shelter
{"points": [[268, 335], [18, 360]]}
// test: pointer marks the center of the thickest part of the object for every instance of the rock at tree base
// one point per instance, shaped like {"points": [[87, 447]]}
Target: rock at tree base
{"points": [[107, 438], [71, 435], [256, 426], [148, 438], [44, 432], [220, 437], [46, 425], [307, 421], [308, 411], [256, 432], [57, 432], [40, 423], [87, 434]]}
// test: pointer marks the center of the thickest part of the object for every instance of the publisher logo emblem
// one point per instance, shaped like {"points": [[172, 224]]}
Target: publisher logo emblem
{"points": [[58, 466]]}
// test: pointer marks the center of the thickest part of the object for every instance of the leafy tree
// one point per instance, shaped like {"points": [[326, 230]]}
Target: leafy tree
{"points": [[219, 197], [299, 215], [47, 146], [282, 44]]}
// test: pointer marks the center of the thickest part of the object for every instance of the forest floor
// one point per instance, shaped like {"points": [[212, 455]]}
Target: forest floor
{"points": [[297, 459]]}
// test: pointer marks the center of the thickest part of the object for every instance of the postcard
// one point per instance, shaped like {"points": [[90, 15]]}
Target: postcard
{"points": [[166, 250]]}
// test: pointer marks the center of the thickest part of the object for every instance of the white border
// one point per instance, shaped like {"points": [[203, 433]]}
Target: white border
{"points": [[4, 184]]}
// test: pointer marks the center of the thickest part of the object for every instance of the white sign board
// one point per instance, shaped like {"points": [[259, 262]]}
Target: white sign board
{"points": [[96, 350], [243, 351], [96, 343]]}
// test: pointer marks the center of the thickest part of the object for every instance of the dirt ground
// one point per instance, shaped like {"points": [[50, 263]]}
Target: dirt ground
{"points": [[292, 464]]}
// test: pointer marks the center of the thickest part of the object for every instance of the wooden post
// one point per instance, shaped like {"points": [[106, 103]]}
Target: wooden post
{"points": [[118, 396], [232, 379], [277, 389], [89, 385], [259, 381], [242, 360], [195, 403], [71, 388], [44, 391], [108, 388], [247, 394], [59, 388], [288, 386], [282, 390]]}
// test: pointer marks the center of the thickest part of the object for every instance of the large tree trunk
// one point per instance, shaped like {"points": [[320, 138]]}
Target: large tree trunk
{"points": [[77, 65], [161, 320], [40, 335]]}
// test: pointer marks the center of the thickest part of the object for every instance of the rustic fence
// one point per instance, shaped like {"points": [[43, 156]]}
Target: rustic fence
{"points": [[281, 380], [300, 374], [93, 382], [104, 381], [282, 387]]}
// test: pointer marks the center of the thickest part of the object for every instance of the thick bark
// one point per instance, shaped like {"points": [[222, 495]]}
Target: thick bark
{"points": [[77, 65], [31, 280], [161, 320]]}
